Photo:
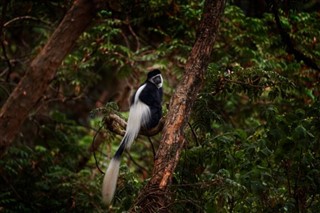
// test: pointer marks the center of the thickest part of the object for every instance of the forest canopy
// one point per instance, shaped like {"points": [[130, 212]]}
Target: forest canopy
{"points": [[253, 139]]}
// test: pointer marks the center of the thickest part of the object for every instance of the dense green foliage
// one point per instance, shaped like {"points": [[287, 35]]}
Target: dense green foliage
{"points": [[257, 119], [254, 145]]}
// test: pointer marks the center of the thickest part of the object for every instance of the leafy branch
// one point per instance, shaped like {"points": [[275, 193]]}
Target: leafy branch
{"points": [[286, 39]]}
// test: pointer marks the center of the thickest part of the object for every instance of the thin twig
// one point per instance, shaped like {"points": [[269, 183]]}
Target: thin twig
{"points": [[12, 188], [194, 134], [2, 39], [134, 35], [135, 162], [22, 18], [244, 83], [125, 39], [153, 150], [93, 149]]}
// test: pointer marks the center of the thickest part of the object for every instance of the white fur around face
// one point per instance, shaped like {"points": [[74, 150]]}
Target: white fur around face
{"points": [[160, 85]]}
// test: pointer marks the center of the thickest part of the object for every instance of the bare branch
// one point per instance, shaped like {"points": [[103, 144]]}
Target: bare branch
{"points": [[23, 18], [2, 38], [117, 125]]}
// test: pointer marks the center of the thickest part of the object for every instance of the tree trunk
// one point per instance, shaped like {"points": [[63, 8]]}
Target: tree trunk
{"points": [[155, 197], [42, 70]]}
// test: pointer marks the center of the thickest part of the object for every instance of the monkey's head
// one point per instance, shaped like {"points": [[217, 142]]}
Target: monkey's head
{"points": [[155, 77]]}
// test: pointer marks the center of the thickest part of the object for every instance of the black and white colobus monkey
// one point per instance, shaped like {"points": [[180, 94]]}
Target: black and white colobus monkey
{"points": [[145, 111]]}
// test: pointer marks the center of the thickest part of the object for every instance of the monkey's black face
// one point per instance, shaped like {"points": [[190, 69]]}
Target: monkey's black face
{"points": [[157, 80]]}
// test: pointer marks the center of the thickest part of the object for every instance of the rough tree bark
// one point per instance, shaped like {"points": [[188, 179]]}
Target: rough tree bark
{"points": [[42, 70], [155, 197]]}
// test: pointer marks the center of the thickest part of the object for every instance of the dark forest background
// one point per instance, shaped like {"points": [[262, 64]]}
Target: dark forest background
{"points": [[253, 144]]}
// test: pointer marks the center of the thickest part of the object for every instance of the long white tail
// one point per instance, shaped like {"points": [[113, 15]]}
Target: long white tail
{"points": [[110, 180], [138, 116]]}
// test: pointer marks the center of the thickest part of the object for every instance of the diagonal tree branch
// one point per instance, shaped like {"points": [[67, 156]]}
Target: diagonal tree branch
{"points": [[42, 70], [155, 197], [286, 39]]}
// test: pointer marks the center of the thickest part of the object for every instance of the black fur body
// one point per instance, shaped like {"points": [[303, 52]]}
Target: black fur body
{"points": [[146, 112]]}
